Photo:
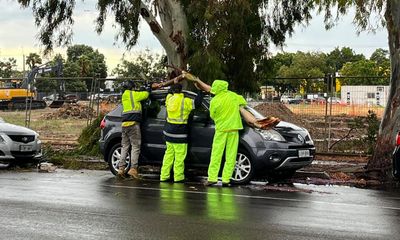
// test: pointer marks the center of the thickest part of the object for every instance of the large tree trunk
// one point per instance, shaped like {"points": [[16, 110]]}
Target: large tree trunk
{"points": [[390, 125], [172, 32]]}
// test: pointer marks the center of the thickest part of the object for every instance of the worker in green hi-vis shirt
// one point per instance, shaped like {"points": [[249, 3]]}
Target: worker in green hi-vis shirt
{"points": [[131, 118], [225, 111]]}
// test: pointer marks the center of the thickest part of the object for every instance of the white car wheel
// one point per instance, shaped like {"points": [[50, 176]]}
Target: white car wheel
{"points": [[243, 169], [115, 158]]}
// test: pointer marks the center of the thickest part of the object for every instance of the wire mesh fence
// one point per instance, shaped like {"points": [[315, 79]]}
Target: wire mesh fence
{"points": [[334, 113]]}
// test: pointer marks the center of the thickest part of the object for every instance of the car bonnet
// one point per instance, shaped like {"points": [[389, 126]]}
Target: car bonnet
{"points": [[8, 128]]}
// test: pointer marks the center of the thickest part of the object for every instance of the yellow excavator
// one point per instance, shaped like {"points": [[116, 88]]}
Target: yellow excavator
{"points": [[17, 94]]}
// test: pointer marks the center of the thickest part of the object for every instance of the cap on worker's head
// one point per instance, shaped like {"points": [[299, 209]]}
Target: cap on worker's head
{"points": [[176, 88], [219, 86], [128, 85]]}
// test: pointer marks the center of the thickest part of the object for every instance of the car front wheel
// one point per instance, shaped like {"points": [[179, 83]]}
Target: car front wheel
{"points": [[114, 157], [244, 168]]}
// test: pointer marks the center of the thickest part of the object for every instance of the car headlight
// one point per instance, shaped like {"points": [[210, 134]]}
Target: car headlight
{"points": [[271, 135], [2, 140], [308, 138]]}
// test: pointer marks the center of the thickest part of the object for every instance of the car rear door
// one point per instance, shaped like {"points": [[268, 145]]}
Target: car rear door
{"points": [[202, 130]]}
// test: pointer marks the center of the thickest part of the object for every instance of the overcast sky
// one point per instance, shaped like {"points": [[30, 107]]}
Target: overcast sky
{"points": [[18, 35]]}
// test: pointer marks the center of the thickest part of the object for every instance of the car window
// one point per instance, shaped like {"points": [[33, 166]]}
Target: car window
{"points": [[201, 114], [156, 109]]}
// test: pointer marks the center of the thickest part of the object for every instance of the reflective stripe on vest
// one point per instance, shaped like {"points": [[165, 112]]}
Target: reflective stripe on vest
{"points": [[180, 119], [172, 135], [132, 100]]}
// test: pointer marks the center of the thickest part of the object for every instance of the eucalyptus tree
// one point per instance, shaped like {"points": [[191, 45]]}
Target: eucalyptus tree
{"points": [[214, 38]]}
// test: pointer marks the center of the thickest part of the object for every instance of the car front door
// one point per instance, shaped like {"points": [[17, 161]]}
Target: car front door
{"points": [[153, 143]]}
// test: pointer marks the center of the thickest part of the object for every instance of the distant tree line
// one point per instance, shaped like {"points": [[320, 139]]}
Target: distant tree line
{"points": [[84, 61], [299, 66]]}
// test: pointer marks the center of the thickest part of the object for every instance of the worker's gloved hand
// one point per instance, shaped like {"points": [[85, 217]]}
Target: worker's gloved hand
{"points": [[156, 85]]}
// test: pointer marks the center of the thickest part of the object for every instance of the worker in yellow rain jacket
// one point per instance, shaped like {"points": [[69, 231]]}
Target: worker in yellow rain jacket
{"points": [[131, 135], [224, 110], [176, 132]]}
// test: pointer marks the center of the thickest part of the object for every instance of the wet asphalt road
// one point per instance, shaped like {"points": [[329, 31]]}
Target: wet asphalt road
{"points": [[94, 205]]}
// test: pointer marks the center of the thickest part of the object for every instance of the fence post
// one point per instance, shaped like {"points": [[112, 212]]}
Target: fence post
{"points": [[326, 81], [332, 81]]}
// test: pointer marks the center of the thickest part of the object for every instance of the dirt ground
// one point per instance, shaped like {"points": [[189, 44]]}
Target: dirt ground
{"points": [[52, 129], [337, 167], [336, 133]]}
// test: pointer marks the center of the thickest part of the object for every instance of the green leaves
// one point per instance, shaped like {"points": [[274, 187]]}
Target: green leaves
{"points": [[7, 68], [145, 64]]}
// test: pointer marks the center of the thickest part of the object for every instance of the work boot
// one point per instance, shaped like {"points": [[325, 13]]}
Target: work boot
{"points": [[133, 173], [121, 172], [210, 183]]}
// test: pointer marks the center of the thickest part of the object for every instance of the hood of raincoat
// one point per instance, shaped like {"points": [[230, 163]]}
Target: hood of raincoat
{"points": [[219, 86]]}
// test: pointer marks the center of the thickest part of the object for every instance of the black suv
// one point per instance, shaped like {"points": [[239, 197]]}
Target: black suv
{"points": [[276, 152]]}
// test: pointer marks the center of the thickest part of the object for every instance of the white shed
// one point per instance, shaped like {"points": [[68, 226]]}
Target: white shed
{"points": [[365, 95]]}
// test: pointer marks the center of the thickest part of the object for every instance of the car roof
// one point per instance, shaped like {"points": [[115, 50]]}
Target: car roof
{"points": [[157, 94]]}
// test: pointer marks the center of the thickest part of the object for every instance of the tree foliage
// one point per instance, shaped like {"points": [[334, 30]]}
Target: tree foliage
{"points": [[150, 66], [82, 61], [338, 57], [7, 68], [364, 70], [230, 39], [227, 39], [32, 60]]}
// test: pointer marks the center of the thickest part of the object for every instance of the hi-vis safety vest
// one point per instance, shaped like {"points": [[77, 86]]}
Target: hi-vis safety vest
{"points": [[131, 106], [178, 108]]}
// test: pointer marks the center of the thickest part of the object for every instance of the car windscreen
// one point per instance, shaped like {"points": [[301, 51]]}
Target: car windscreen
{"points": [[256, 114]]}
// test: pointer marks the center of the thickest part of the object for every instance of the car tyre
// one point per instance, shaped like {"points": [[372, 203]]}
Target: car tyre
{"points": [[113, 159], [244, 168]]}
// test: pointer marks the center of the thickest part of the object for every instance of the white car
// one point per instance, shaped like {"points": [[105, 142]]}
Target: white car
{"points": [[335, 100], [18, 143], [286, 99]]}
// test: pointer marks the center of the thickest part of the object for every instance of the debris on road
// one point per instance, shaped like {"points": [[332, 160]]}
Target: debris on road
{"points": [[46, 167]]}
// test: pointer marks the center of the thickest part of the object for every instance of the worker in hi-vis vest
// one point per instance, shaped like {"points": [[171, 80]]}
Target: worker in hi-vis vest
{"points": [[131, 135], [224, 110], [176, 132]]}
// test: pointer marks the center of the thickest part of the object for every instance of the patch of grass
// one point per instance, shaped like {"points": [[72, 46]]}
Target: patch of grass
{"points": [[59, 128]]}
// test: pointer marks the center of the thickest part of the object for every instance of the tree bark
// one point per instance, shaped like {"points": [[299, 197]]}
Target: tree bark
{"points": [[390, 125], [172, 32]]}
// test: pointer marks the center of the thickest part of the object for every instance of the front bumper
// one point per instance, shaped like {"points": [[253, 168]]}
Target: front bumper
{"points": [[11, 150], [284, 159]]}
